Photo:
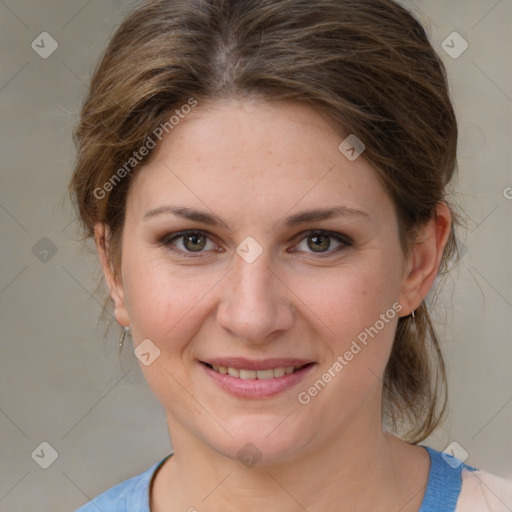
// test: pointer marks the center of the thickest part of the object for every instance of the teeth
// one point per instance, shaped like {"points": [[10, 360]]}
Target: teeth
{"points": [[255, 374], [280, 372], [233, 372], [247, 374], [266, 374]]}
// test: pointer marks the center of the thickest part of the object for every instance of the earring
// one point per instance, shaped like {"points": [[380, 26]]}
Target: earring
{"points": [[121, 338], [413, 315]]}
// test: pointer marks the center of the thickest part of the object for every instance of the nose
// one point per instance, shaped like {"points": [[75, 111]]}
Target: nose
{"points": [[255, 305]]}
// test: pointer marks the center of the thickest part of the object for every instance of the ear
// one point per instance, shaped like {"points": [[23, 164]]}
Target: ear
{"points": [[115, 288], [423, 263]]}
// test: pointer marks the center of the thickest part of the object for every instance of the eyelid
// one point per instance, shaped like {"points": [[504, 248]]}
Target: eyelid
{"points": [[334, 234]]}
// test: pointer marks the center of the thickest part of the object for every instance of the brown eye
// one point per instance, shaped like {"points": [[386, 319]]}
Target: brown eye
{"points": [[319, 243], [194, 242], [188, 242]]}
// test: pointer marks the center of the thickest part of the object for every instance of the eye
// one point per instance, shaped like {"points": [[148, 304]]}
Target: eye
{"points": [[320, 241], [188, 242]]}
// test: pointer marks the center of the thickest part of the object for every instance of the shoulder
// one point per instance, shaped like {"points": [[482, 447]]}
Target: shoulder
{"points": [[484, 492], [132, 494], [112, 500], [457, 487]]}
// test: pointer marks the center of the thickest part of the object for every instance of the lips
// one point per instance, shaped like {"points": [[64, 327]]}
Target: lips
{"points": [[247, 378]]}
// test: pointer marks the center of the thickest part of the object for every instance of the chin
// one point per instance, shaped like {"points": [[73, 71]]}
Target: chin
{"points": [[262, 440]]}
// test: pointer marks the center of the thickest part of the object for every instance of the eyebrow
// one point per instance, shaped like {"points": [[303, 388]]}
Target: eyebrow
{"points": [[300, 218]]}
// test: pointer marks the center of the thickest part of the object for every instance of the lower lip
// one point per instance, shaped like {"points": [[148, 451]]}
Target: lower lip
{"points": [[255, 388]]}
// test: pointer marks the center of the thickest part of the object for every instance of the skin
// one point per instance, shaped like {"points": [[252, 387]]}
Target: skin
{"points": [[253, 164]]}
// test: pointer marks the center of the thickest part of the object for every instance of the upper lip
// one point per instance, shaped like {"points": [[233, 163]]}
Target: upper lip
{"points": [[251, 364]]}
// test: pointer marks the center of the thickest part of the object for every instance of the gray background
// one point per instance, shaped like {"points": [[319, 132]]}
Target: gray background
{"points": [[61, 383]]}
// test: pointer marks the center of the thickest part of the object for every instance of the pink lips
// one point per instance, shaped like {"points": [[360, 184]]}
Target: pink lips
{"points": [[255, 388]]}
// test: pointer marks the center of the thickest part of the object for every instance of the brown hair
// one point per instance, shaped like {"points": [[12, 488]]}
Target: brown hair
{"points": [[366, 64]]}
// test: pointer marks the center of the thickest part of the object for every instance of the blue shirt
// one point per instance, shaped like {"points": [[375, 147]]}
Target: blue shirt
{"points": [[443, 488]]}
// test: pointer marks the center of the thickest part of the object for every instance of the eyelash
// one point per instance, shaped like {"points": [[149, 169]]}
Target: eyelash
{"points": [[344, 240]]}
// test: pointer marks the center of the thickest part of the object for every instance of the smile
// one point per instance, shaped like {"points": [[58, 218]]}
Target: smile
{"points": [[244, 378], [246, 374]]}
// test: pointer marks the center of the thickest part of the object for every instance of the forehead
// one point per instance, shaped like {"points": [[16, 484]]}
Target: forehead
{"points": [[245, 157]]}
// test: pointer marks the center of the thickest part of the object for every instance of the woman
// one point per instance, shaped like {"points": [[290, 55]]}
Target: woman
{"points": [[266, 184]]}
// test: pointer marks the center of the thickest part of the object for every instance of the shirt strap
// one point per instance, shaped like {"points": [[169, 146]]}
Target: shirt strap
{"points": [[444, 482]]}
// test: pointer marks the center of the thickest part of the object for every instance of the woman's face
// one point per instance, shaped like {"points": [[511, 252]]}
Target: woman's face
{"points": [[293, 261]]}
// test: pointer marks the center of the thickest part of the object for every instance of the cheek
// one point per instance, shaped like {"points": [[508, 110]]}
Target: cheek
{"points": [[361, 312], [349, 298], [161, 300], [358, 308], [166, 307]]}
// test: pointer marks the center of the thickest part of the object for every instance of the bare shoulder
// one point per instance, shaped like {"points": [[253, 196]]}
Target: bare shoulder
{"points": [[484, 492]]}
